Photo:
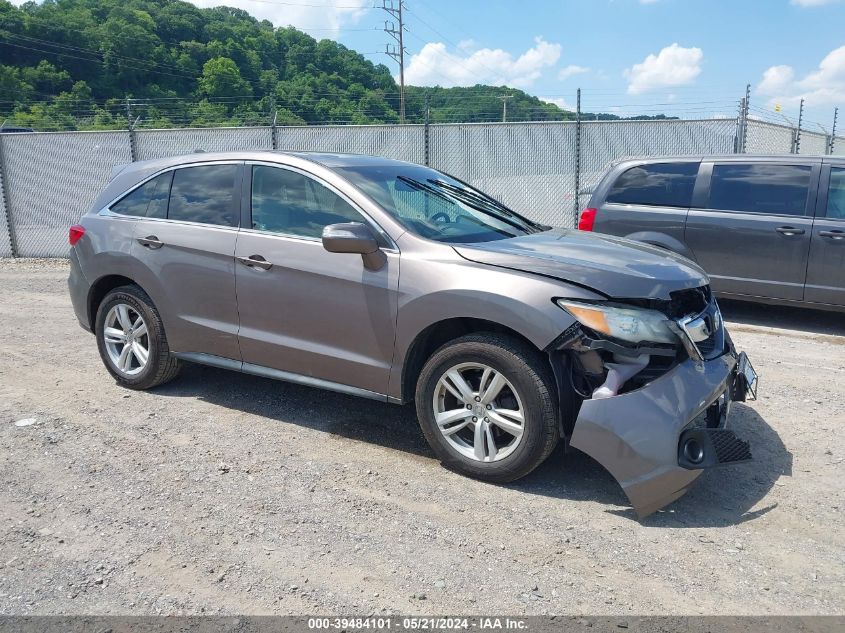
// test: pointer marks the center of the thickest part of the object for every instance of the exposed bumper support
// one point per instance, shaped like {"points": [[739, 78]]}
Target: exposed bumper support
{"points": [[635, 436]]}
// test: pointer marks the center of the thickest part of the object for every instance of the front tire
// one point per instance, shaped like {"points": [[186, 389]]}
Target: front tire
{"points": [[131, 340], [486, 405]]}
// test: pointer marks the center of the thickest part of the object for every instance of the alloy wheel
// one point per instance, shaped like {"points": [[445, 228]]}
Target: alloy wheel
{"points": [[127, 339], [479, 412]]}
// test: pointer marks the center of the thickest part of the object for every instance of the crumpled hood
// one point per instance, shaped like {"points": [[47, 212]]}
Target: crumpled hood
{"points": [[613, 266]]}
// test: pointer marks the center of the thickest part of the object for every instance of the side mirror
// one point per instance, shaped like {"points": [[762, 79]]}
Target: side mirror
{"points": [[354, 237]]}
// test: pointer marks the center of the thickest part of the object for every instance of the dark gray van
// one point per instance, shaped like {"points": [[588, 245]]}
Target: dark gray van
{"points": [[765, 228]]}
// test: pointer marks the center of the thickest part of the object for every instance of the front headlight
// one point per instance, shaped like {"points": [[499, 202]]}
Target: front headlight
{"points": [[635, 325]]}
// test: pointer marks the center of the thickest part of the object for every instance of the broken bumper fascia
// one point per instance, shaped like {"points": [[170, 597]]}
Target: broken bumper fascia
{"points": [[635, 435]]}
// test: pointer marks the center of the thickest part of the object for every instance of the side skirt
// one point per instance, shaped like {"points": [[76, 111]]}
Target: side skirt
{"points": [[278, 374]]}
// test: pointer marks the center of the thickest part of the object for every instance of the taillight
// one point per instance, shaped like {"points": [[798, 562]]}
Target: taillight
{"points": [[75, 234], [588, 218]]}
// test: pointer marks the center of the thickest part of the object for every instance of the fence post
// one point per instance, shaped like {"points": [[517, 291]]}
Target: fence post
{"points": [[130, 126], [798, 129], [742, 122], [833, 131], [426, 132], [576, 204], [274, 142], [4, 196]]}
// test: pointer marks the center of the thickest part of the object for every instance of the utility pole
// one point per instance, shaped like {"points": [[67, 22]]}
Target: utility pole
{"points": [[833, 131], [745, 105], [798, 131], [504, 99], [397, 33]]}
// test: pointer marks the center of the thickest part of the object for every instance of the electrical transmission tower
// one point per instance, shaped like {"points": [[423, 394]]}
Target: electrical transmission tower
{"points": [[397, 51]]}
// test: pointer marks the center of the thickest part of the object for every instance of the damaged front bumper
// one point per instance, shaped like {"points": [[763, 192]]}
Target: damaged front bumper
{"points": [[646, 438]]}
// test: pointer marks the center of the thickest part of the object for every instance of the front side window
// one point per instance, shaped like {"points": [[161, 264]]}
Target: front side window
{"points": [[760, 188], [204, 194], [436, 206], [836, 194], [285, 201], [658, 184], [148, 200]]}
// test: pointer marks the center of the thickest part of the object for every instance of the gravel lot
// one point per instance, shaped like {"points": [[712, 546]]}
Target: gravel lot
{"points": [[235, 494]]}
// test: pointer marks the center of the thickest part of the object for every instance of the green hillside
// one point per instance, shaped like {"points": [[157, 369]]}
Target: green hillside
{"points": [[88, 64]]}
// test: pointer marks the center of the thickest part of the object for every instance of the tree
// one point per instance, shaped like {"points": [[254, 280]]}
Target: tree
{"points": [[222, 78]]}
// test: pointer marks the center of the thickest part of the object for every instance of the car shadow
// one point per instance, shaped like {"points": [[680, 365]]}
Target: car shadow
{"points": [[783, 317], [720, 497]]}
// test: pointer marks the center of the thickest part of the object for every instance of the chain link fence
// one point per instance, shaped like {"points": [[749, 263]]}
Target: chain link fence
{"points": [[401, 142], [5, 223], [162, 143], [528, 166], [51, 179], [544, 170]]}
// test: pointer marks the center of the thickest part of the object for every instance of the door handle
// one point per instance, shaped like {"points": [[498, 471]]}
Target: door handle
{"points": [[836, 234], [789, 230], [255, 261], [151, 241]]}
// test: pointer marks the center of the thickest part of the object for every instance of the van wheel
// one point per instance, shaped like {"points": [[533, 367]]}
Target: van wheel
{"points": [[131, 340], [486, 405]]}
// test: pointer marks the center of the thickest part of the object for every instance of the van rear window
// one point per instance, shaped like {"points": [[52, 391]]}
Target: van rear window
{"points": [[658, 184]]}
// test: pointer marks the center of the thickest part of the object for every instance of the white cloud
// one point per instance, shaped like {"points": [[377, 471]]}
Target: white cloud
{"points": [[571, 70], [434, 65], [327, 20], [823, 86], [813, 3], [560, 102], [673, 66], [648, 1], [776, 79]]}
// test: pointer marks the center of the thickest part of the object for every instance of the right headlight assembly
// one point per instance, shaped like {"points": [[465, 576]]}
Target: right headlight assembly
{"points": [[635, 325]]}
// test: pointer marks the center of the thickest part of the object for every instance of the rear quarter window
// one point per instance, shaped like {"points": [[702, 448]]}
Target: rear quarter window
{"points": [[148, 200], [657, 184], [760, 188]]}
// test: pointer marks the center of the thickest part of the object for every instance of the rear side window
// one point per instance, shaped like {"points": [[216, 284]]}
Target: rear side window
{"points": [[148, 200], [205, 194], [836, 195], [760, 188], [659, 184]]}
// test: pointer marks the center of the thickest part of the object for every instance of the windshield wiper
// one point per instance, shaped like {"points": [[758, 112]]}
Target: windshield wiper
{"points": [[425, 188], [486, 205], [451, 194]]}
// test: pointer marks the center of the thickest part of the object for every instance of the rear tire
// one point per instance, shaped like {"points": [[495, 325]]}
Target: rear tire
{"points": [[497, 437], [132, 341]]}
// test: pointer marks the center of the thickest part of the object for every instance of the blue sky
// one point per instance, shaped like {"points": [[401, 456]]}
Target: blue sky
{"points": [[684, 57]]}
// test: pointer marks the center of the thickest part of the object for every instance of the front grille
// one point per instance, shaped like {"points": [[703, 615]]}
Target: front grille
{"points": [[687, 302], [689, 306]]}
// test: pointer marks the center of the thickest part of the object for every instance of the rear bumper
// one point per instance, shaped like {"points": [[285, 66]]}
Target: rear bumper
{"points": [[636, 435], [79, 289]]}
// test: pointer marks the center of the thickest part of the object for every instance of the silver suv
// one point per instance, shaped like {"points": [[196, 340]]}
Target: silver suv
{"points": [[393, 281]]}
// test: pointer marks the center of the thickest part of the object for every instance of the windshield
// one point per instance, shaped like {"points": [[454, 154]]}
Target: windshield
{"points": [[436, 206]]}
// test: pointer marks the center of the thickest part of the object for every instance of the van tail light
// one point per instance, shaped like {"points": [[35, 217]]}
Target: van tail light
{"points": [[75, 234], [588, 218]]}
